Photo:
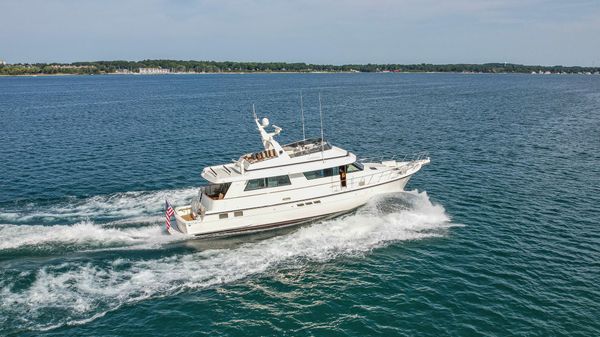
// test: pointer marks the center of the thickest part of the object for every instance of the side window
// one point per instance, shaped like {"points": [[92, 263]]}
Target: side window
{"points": [[278, 181], [354, 167], [321, 173], [255, 184], [313, 174]]}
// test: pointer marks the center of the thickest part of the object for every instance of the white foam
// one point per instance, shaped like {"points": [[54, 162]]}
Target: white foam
{"points": [[127, 205], [84, 234], [82, 291]]}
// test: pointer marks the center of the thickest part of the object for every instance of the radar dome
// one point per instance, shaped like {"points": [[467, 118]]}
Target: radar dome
{"points": [[265, 122]]}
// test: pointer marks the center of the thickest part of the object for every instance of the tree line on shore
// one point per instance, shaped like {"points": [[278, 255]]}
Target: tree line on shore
{"points": [[108, 67]]}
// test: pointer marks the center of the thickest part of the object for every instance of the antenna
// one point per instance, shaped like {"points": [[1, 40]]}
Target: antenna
{"points": [[321, 116], [302, 114]]}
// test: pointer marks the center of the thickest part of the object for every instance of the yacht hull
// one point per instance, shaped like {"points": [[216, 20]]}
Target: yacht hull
{"points": [[289, 213]]}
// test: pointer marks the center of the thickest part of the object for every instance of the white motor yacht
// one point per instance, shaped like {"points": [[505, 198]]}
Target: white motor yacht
{"points": [[286, 185]]}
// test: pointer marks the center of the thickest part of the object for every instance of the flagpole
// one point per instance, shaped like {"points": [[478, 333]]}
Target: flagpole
{"points": [[169, 211]]}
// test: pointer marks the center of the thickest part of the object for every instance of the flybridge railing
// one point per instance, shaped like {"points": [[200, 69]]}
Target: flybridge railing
{"points": [[399, 157], [309, 148]]}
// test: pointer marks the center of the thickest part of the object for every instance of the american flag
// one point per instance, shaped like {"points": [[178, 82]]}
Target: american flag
{"points": [[169, 211]]}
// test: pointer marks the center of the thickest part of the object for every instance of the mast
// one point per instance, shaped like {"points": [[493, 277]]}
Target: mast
{"points": [[321, 117], [302, 114]]}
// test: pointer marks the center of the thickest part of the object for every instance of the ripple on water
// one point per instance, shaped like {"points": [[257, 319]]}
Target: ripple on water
{"points": [[75, 292], [514, 157]]}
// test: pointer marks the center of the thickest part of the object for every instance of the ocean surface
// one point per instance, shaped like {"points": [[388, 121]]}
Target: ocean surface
{"points": [[498, 236]]}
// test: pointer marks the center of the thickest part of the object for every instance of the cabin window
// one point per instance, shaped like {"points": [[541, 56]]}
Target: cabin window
{"points": [[355, 167], [278, 181], [223, 216], [256, 184], [328, 172], [238, 213]]}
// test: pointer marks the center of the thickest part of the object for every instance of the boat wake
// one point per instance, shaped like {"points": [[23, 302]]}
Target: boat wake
{"points": [[129, 219], [125, 207], [29, 239], [76, 291]]}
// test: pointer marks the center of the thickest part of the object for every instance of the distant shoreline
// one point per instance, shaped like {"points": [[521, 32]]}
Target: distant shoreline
{"points": [[279, 73], [155, 67], [164, 67]]}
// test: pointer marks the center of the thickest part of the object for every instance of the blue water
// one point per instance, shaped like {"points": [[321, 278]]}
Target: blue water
{"points": [[498, 236]]}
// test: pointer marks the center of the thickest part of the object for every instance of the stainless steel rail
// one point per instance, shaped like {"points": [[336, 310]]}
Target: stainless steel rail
{"points": [[399, 158]]}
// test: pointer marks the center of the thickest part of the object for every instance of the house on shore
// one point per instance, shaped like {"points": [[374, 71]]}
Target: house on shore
{"points": [[154, 71]]}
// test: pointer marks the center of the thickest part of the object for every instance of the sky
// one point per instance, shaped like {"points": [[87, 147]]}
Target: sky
{"points": [[545, 32]]}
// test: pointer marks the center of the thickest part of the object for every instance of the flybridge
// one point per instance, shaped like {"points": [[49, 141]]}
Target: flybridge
{"points": [[297, 157]]}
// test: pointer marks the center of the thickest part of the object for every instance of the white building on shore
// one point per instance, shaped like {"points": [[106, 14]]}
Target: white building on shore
{"points": [[154, 71]]}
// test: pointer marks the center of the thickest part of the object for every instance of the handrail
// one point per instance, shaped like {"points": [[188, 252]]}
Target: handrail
{"points": [[312, 148], [399, 157], [377, 177]]}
